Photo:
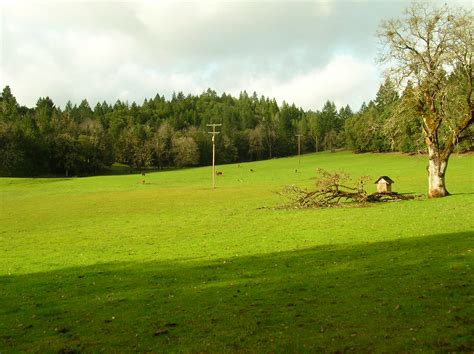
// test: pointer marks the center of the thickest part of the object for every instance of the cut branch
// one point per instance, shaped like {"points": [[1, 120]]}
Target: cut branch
{"points": [[330, 193]]}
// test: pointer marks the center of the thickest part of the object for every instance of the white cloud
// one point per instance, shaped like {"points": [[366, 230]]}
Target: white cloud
{"points": [[302, 52], [344, 80]]}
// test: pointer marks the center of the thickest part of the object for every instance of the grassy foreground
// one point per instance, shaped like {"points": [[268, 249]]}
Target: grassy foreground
{"points": [[110, 264]]}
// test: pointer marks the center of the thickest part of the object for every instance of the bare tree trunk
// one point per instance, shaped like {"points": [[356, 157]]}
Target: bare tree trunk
{"points": [[436, 171]]}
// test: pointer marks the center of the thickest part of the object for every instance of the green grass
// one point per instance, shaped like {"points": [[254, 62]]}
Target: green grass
{"points": [[107, 263]]}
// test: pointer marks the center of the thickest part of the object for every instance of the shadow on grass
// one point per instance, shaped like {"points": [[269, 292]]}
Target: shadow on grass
{"points": [[398, 296]]}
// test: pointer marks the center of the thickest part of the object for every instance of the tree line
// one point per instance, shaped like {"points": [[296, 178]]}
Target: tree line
{"points": [[161, 133], [80, 140]]}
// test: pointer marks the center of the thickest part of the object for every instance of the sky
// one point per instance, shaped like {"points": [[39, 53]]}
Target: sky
{"points": [[300, 52]]}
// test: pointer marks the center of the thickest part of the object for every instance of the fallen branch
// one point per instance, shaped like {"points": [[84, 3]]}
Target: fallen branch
{"points": [[331, 192]]}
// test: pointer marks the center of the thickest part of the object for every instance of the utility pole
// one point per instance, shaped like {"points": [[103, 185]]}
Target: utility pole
{"points": [[214, 133], [299, 148]]}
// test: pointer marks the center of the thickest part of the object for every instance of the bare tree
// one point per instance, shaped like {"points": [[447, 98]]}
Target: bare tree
{"points": [[256, 142], [269, 128], [185, 151], [433, 47], [162, 144], [313, 130]]}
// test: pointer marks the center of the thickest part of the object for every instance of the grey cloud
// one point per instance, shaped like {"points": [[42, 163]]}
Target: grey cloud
{"points": [[131, 50]]}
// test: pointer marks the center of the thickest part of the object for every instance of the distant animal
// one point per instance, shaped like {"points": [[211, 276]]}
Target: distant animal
{"points": [[143, 173], [251, 170], [218, 173]]}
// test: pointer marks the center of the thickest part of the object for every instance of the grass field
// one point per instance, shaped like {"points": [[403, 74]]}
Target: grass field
{"points": [[110, 264]]}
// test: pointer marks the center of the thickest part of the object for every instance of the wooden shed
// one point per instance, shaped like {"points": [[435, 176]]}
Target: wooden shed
{"points": [[384, 184]]}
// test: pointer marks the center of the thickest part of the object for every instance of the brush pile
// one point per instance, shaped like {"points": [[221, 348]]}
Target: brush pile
{"points": [[333, 190]]}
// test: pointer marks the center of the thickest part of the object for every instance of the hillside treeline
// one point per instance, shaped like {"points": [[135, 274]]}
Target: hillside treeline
{"points": [[81, 140]]}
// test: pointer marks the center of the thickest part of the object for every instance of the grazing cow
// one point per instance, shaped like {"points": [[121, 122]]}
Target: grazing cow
{"points": [[218, 173]]}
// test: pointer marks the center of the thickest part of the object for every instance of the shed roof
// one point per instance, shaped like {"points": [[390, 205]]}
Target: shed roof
{"points": [[386, 178]]}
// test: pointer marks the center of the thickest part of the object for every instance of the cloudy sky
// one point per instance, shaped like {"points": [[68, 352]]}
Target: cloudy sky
{"points": [[302, 52]]}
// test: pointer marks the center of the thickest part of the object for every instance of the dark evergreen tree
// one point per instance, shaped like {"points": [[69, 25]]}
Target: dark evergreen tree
{"points": [[80, 140]]}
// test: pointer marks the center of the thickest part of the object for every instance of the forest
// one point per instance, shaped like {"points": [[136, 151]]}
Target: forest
{"points": [[79, 140]]}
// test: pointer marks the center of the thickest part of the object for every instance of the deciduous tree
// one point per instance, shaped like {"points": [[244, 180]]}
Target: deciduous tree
{"points": [[185, 151], [433, 47]]}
